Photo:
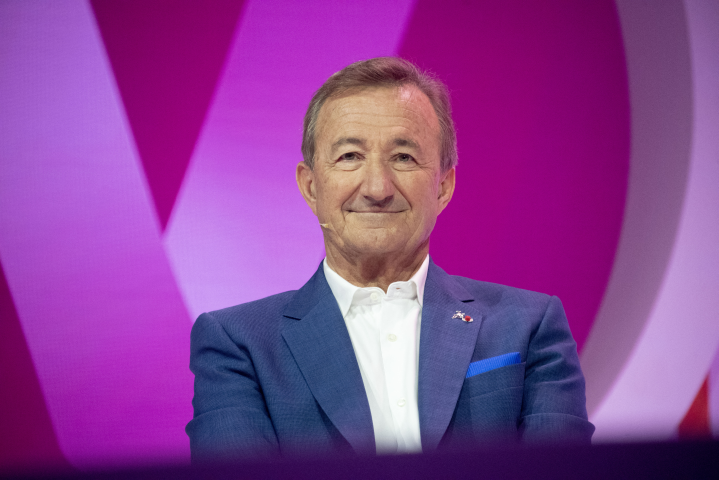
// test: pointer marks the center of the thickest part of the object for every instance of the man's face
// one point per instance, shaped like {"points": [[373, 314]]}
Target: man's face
{"points": [[377, 182]]}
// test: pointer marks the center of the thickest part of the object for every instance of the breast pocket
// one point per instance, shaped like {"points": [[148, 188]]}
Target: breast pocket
{"points": [[511, 376], [494, 401]]}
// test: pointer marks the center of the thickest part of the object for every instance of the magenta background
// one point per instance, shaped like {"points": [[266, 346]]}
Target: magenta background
{"points": [[542, 109], [147, 175]]}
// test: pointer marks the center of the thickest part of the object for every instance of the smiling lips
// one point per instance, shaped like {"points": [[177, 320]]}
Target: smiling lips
{"points": [[379, 211], [375, 215]]}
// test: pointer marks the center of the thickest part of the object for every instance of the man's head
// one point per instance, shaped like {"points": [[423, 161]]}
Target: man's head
{"points": [[383, 72], [375, 171]]}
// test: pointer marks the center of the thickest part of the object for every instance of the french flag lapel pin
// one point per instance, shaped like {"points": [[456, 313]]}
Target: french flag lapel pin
{"points": [[463, 317]]}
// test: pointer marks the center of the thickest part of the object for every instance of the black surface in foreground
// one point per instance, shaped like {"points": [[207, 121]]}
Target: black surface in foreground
{"points": [[686, 460]]}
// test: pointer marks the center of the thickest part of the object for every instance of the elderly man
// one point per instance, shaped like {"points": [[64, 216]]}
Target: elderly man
{"points": [[381, 350]]}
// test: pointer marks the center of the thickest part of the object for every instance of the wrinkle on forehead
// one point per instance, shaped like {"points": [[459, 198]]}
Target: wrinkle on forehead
{"points": [[411, 99], [407, 94]]}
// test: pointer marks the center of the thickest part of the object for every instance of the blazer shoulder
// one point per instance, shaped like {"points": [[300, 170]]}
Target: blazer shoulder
{"points": [[495, 294], [257, 314]]}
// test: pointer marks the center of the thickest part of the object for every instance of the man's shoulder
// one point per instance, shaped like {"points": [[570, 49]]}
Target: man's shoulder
{"points": [[266, 314], [511, 309], [495, 293], [272, 302], [256, 313]]}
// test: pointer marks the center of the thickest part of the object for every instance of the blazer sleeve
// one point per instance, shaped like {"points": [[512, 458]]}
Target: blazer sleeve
{"points": [[554, 402], [230, 418]]}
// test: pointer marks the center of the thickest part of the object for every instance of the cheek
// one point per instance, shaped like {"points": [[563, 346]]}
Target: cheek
{"points": [[428, 214], [424, 195], [331, 195]]}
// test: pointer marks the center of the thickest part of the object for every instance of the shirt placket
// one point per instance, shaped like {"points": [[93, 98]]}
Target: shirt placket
{"points": [[372, 370], [394, 343]]}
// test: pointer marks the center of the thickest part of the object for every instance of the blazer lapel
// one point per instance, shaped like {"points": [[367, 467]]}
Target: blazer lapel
{"points": [[445, 351], [316, 335]]}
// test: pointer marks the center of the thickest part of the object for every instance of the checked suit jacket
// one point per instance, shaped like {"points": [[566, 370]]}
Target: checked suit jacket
{"points": [[279, 375]]}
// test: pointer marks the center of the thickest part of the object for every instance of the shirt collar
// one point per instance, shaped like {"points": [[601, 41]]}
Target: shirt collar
{"points": [[344, 291]]}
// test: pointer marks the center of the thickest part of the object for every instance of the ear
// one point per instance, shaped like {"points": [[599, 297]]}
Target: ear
{"points": [[306, 183], [446, 189]]}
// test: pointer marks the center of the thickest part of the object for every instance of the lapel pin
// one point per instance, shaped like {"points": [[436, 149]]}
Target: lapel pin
{"points": [[463, 317]]}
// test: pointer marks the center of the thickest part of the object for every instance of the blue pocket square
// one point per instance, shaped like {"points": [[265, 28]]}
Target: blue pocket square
{"points": [[481, 366]]}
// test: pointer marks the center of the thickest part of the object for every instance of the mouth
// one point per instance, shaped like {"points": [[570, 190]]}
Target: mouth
{"points": [[375, 212], [375, 216]]}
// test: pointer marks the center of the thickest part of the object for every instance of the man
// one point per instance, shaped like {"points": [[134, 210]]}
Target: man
{"points": [[382, 351]]}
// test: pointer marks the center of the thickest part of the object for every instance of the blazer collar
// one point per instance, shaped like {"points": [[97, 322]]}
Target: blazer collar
{"points": [[446, 346], [316, 334]]}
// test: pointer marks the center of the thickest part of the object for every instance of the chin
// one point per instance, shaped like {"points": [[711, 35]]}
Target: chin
{"points": [[379, 245]]}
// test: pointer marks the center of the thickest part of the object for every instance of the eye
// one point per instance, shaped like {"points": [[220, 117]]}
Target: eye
{"points": [[405, 158], [348, 157]]}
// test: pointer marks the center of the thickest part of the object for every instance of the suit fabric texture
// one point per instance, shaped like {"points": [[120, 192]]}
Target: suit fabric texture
{"points": [[279, 375]]}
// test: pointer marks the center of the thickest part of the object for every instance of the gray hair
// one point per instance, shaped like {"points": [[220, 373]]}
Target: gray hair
{"points": [[383, 72]]}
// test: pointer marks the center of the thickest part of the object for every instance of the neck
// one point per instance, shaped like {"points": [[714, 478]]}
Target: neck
{"points": [[376, 270]]}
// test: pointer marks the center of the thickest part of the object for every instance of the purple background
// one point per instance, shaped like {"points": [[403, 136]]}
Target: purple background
{"points": [[147, 175]]}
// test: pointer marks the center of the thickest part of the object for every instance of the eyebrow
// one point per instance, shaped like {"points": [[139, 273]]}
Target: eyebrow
{"points": [[397, 142], [347, 141], [404, 142]]}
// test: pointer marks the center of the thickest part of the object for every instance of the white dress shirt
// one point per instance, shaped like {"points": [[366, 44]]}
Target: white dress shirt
{"points": [[384, 329]]}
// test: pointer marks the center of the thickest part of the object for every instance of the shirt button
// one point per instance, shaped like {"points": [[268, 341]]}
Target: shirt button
{"points": [[401, 402], [392, 337], [374, 296]]}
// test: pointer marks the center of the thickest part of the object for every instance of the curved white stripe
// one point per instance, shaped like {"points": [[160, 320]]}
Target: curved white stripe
{"points": [[676, 349], [658, 68]]}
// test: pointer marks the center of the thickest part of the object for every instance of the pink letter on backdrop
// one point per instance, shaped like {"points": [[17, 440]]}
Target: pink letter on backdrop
{"points": [[240, 229], [102, 315]]}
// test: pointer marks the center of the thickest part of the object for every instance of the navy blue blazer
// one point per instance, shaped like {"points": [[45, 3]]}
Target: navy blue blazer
{"points": [[279, 375]]}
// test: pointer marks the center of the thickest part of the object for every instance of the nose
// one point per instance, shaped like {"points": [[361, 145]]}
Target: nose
{"points": [[378, 186]]}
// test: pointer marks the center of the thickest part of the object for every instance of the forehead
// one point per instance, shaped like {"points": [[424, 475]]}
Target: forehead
{"points": [[404, 111]]}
